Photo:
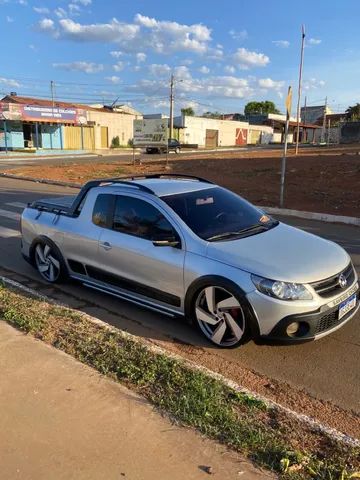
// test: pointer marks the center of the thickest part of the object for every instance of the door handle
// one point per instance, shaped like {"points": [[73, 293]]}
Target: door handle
{"points": [[105, 245]]}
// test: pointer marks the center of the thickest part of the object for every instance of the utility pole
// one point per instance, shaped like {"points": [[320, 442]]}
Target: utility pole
{"points": [[52, 102], [299, 89], [283, 161], [171, 106], [52, 94], [324, 123]]}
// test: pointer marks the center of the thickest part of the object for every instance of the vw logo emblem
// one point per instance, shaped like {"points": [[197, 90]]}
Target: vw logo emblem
{"points": [[342, 281]]}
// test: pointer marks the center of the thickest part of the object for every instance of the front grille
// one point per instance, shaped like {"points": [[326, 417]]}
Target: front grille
{"points": [[331, 320], [330, 286]]}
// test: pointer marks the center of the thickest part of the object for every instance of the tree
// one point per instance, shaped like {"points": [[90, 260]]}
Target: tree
{"points": [[212, 115], [188, 112], [353, 113], [260, 108]]}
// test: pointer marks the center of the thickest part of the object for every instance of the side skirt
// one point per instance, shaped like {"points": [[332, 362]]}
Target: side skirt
{"points": [[129, 297]]}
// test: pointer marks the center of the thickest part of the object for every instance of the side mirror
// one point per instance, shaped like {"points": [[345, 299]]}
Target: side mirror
{"points": [[169, 242]]}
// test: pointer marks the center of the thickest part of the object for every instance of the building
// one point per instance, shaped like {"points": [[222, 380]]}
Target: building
{"points": [[314, 114], [42, 124], [213, 133], [278, 121]]}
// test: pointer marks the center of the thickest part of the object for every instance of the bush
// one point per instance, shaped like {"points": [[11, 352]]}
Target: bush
{"points": [[115, 142]]}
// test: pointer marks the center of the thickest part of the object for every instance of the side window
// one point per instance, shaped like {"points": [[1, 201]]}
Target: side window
{"points": [[102, 210], [136, 217]]}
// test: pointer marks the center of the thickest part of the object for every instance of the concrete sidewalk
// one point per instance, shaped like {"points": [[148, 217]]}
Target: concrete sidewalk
{"points": [[62, 420]]}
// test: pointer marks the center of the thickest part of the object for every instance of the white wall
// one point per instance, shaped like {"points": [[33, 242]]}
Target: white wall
{"points": [[266, 134], [118, 124], [195, 130]]}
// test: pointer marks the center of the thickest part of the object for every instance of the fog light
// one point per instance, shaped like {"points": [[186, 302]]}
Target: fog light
{"points": [[293, 328]]}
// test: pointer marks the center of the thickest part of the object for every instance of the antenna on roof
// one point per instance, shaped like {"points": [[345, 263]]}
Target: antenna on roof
{"points": [[114, 102]]}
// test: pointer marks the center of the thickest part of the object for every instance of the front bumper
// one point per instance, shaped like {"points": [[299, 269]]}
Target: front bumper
{"points": [[313, 325], [316, 320]]}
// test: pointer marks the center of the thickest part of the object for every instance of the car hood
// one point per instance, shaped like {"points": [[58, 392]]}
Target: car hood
{"points": [[282, 253]]}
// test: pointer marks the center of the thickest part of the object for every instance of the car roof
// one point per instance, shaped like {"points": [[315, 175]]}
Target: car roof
{"points": [[170, 186]]}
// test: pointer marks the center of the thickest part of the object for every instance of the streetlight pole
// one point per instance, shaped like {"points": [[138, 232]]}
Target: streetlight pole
{"points": [[171, 106], [299, 89]]}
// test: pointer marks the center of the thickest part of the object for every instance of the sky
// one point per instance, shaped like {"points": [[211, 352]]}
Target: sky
{"points": [[223, 54]]}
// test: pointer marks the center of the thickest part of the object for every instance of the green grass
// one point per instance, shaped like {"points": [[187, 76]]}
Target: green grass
{"points": [[188, 396]]}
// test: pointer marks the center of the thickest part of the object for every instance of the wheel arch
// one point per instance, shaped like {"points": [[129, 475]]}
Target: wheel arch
{"points": [[218, 280], [42, 239]]}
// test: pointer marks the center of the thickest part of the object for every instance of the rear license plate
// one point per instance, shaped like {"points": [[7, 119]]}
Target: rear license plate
{"points": [[346, 306]]}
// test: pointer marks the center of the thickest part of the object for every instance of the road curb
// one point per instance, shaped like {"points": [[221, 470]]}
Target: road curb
{"points": [[40, 180], [331, 432], [323, 217]]}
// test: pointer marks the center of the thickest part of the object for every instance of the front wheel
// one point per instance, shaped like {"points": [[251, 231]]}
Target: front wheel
{"points": [[177, 150], [220, 317], [49, 262]]}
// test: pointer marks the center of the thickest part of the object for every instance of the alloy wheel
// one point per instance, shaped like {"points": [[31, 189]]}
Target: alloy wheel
{"points": [[220, 316], [47, 263]]}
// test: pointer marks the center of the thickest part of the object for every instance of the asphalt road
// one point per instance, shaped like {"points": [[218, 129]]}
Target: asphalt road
{"points": [[126, 157], [328, 368]]}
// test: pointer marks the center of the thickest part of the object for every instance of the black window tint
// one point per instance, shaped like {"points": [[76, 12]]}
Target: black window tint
{"points": [[136, 217], [102, 210], [214, 211]]}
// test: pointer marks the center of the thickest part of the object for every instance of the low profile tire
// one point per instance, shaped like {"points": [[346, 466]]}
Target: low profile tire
{"points": [[220, 316], [49, 262]]}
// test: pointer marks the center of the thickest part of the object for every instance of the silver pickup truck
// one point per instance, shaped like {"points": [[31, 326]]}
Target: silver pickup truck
{"points": [[182, 245]]}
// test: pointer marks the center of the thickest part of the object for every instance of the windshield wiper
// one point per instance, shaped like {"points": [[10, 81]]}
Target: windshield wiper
{"points": [[221, 236]]}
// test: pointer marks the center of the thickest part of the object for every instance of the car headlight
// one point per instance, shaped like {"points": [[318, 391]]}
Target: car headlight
{"points": [[281, 290]]}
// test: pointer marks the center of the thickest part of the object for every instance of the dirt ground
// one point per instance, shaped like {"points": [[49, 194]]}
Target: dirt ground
{"points": [[318, 180]]}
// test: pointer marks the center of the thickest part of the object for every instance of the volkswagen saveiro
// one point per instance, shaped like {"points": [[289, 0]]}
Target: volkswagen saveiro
{"points": [[182, 245]]}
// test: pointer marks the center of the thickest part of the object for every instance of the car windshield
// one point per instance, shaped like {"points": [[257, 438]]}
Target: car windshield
{"points": [[216, 214]]}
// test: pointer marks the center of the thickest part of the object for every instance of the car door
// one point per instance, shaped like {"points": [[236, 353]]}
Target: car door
{"points": [[130, 258]]}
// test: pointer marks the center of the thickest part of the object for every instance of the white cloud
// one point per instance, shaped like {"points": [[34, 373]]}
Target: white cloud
{"points": [[119, 66], [270, 84], [9, 19], [144, 33], [314, 41], [74, 9], [32, 47], [182, 73], [116, 53], [140, 57], [106, 32], [313, 84], [204, 69], [230, 69], [238, 35], [46, 25], [60, 12], [114, 79], [247, 59], [9, 82], [159, 70], [22, 2], [41, 10], [80, 66], [281, 43], [85, 3]]}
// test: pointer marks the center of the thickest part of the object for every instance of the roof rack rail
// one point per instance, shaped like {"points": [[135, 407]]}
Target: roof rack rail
{"points": [[171, 175], [103, 181], [127, 181]]}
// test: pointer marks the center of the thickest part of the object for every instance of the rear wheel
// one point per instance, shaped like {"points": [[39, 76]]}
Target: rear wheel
{"points": [[49, 262], [220, 317]]}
